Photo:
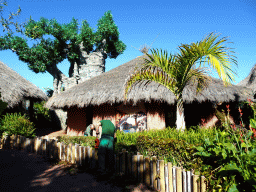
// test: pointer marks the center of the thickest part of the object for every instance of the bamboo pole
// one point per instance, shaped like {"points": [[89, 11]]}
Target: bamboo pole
{"points": [[179, 179], [161, 174], [147, 171]]}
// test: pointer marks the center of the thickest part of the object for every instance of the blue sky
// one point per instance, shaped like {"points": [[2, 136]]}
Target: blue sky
{"points": [[140, 22]]}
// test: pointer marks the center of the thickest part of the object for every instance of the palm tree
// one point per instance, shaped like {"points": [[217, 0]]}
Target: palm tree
{"points": [[188, 66]]}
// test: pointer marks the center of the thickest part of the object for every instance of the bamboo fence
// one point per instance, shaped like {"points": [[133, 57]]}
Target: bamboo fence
{"points": [[150, 171]]}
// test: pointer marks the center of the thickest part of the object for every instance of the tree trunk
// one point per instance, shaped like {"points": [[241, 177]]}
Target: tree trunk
{"points": [[58, 79], [180, 121]]}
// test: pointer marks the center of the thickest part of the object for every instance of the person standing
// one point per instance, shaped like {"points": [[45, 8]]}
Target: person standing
{"points": [[106, 147]]}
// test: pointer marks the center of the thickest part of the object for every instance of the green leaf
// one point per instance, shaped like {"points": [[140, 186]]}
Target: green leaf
{"points": [[233, 188]]}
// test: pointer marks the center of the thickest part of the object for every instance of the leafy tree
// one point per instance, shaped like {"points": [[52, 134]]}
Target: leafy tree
{"points": [[177, 71], [68, 41], [8, 23]]}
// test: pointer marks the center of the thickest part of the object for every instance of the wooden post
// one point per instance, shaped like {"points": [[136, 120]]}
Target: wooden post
{"points": [[44, 146], [161, 173], [174, 176], [80, 154], [83, 156], [203, 185], [141, 168], [93, 159], [195, 183], [117, 164], [170, 183], [147, 171], [69, 152], [73, 155], [135, 166], [96, 158], [129, 163], [189, 189], [179, 179], [124, 161], [184, 181], [23, 142], [56, 149], [154, 161], [90, 157]]}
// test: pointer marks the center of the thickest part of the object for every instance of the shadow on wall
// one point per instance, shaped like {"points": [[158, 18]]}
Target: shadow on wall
{"points": [[59, 118]]}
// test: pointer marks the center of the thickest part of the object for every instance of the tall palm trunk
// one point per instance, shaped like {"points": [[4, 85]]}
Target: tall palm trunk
{"points": [[180, 118]]}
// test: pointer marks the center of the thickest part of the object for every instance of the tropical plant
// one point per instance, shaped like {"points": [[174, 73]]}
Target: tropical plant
{"points": [[17, 124], [177, 71]]}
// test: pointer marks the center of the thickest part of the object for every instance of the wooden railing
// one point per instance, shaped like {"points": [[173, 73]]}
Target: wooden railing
{"points": [[150, 171]]}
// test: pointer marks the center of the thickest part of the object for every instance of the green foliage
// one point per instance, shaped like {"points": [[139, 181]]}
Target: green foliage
{"points": [[41, 113], [81, 140], [8, 23], [229, 165], [17, 124]]}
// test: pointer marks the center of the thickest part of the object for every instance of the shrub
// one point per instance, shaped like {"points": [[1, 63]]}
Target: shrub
{"points": [[17, 124], [41, 114]]}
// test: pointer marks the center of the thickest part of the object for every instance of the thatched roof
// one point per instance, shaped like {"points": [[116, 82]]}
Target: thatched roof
{"points": [[15, 88], [250, 80], [109, 88]]}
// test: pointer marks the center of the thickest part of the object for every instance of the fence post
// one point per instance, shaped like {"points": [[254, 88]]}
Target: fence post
{"points": [[129, 164], [140, 167], [117, 164], [56, 149], [80, 155], [184, 179], [135, 166], [179, 179], [69, 148], [123, 166], [154, 161], [73, 156], [203, 185], [189, 181], [161, 174], [90, 157], [170, 182], [195, 183], [147, 171]]}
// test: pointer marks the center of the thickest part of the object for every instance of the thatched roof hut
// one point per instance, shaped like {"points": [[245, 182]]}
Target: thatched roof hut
{"points": [[15, 89], [250, 80], [109, 88]]}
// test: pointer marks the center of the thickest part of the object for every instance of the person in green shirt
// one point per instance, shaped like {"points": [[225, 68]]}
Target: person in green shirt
{"points": [[106, 147], [89, 129]]}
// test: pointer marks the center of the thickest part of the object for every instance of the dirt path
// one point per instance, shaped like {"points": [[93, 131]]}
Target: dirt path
{"points": [[22, 171]]}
